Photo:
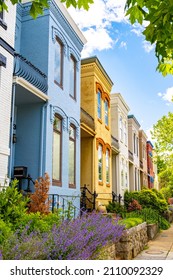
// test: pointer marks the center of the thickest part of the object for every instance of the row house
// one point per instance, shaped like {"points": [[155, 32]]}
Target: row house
{"points": [[96, 171], [45, 116], [7, 30], [119, 136], [133, 145], [150, 164]]}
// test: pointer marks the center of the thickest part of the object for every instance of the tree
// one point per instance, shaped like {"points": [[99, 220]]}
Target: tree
{"points": [[159, 16], [163, 135], [157, 13], [38, 6]]}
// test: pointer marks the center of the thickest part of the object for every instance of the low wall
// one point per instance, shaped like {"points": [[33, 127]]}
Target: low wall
{"points": [[152, 230], [132, 242]]}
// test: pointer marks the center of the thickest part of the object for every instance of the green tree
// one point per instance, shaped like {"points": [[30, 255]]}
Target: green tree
{"points": [[38, 6], [159, 15]]}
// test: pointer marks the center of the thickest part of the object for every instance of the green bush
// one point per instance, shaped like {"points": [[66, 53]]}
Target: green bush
{"points": [[147, 199], [167, 192], [5, 231], [115, 207], [131, 222], [13, 205], [38, 222]]}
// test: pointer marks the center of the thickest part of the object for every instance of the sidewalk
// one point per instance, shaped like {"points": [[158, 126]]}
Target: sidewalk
{"points": [[161, 248]]}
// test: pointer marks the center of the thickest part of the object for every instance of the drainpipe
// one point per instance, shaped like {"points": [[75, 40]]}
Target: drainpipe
{"points": [[42, 138], [11, 130]]}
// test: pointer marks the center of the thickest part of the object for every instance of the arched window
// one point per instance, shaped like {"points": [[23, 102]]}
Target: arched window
{"points": [[72, 77], [106, 113], [107, 167], [99, 111], [72, 155], [100, 163], [58, 66], [57, 150]]}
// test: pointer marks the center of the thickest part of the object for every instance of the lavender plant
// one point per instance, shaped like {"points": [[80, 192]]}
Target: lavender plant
{"points": [[79, 239]]}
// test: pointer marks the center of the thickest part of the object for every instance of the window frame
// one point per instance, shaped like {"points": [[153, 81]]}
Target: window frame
{"points": [[73, 185], [106, 104], [56, 182], [99, 106], [72, 58], [100, 164], [107, 157], [59, 83]]}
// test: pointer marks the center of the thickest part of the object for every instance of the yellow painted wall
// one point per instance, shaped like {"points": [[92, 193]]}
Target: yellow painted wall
{"points": [[92, 73]]}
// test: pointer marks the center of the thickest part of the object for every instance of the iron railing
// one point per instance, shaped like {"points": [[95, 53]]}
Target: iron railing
{"points": [[25, 69]]}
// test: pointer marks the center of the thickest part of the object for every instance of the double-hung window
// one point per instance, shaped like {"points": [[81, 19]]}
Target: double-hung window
{"points": [[107, 167], [57, 150], [99, 111], [72, 155], [106, 113], [58, 69], [100, 163], [72, 77]]}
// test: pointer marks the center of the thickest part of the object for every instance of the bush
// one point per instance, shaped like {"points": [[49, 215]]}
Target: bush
{"points": [[150, 216], [131, 222], [13, 205], [148, 199], [5, 231], [134, 205], [79, 239], [38, 222], [115, 207]]}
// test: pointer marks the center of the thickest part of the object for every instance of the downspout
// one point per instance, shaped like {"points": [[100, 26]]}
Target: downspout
{"points": [[42, 142], [11, 130]]}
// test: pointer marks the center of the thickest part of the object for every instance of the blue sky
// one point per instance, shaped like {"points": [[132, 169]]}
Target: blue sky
{"points": [[127, 58]]}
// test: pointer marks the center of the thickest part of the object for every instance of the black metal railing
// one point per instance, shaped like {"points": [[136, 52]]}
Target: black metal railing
{"points": [[87, 119], [25, 69], [65, 204], [88, 199]]}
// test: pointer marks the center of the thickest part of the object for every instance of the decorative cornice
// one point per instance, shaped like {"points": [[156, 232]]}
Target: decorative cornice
{"points": [[57, 33], [57, 110], [100, 141], [76, 124]]}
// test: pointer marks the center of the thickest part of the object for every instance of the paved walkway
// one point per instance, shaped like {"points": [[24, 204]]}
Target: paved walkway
{"points": [[161, 248]]}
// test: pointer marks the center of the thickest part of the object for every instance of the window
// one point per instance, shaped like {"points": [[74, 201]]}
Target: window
{"points": [[137, 143], [100, 163], [106, 113], [121, 128], [72, 155], [125, 133], [107, 167], [58, 75], [99, 105], [134, 143], [72, 77], [57, 150]]}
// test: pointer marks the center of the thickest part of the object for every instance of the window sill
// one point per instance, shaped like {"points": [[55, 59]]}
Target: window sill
{"points": [[72, 186], [3, 24], [100, 121], [107, 127], [72, 97], [60, 85], [56, 183], [100, 183], [108, 185]]}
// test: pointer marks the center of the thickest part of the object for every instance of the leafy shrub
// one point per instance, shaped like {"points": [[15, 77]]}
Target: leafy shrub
{"points": [[13, 205], [79, 239], [167, 192], [131, 222], [134, 205], [147, 198], [5, 231], [39, 199], [115, 207], [150, 216], [38, 222]]}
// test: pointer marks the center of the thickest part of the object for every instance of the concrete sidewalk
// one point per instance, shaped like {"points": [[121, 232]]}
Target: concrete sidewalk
{"points": [[161, 248]]}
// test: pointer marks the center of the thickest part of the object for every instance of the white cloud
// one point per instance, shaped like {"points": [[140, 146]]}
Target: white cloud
{"points": [[149, 136], [96, 23], [147, 46], [167, 96], [123, 45]]}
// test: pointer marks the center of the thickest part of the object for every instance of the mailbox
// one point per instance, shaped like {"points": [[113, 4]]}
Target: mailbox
{"points": [[20, 172]]}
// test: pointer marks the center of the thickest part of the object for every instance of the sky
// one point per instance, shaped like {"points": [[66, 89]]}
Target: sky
{"points": [[127, 58]]}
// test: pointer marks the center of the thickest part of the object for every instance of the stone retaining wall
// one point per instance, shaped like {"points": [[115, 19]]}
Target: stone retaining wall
{"points": [[131, 243]]}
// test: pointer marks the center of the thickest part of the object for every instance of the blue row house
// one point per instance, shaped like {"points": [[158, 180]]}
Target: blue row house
{"points": [[46, 101]]}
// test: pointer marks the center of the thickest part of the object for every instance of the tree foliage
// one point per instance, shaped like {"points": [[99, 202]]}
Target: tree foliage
{"points": [[159, 16]]}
